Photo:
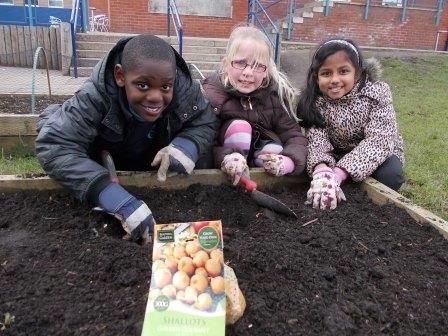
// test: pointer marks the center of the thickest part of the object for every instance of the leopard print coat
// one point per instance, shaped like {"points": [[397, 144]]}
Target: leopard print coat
{"points": [[360, 130]]}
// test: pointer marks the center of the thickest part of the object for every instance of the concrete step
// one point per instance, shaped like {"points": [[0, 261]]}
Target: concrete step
{"points": [[307, 11], [187, 56], [187, 41], [106, 46], [205, 53], [88, 62], [87, 71], [205, 68], [317, 4], [82, 71], [304, 12], [201, 64]]}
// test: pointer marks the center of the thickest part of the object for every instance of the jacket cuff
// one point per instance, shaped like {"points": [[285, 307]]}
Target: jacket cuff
{"points": [[187, 147], [96, 188]]}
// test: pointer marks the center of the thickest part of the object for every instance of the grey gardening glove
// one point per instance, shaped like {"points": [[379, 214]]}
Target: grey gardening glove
{"points": [[178, 158], [135, 216]]}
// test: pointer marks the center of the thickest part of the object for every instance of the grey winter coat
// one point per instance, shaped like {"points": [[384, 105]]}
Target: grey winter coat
{"points": [[72, 135]]}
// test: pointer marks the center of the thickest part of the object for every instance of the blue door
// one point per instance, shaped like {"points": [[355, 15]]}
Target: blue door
{"points": [[32, 15]]}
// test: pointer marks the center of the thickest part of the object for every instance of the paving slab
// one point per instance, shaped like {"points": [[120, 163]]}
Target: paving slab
{"points": [[16, 80]]}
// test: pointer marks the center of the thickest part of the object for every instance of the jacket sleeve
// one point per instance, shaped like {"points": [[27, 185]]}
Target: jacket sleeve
{"points": [[201, 127], [293, 141], [63, 141], [320, 149], [380, 134]]}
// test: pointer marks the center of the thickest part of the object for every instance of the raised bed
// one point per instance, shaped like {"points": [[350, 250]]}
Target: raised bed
{"points": [[18, 124], [362, 269]]}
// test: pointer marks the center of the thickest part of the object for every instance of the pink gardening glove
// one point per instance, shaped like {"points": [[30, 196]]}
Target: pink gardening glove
{"points": [[235, 165], [340, 174], [325, 191], [276, 164]]}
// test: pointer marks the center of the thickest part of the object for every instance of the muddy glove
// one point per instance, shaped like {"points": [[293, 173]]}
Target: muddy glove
{"points": [[134, 215], [276, 164], [235, 165], [325, 191], [178, 158]]}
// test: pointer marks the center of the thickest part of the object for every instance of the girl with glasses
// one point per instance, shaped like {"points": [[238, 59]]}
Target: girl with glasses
{"points": [[255, 104]]}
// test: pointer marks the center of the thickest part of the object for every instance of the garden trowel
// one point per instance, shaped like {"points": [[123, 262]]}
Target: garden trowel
{"points": [[265, 200], [110, 166]]}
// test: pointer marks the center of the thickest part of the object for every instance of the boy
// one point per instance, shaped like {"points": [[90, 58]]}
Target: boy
{"points": [[142, 106]]}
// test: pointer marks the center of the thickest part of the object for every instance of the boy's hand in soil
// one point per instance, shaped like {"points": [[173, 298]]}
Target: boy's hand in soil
{"points": [[276, 164], [235, 165], [325, 191], [135, 216], [177, 158]]}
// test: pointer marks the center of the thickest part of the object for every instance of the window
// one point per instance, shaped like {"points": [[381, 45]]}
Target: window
{"points": [[6, 2], [56, 3], [393, 3], [31, 2]]}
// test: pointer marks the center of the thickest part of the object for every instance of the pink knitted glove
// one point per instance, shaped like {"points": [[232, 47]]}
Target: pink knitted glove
{"points": [[235, 165], [325, 191], [276, 164]]}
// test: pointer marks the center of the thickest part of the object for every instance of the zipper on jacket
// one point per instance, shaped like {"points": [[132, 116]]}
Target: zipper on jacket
{"points": [[249, 102]]}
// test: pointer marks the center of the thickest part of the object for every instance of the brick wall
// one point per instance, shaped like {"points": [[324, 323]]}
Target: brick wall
{"points": [[133, 17], [383, 27]]}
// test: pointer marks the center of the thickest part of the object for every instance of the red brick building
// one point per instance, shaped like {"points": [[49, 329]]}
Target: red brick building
{"points": [[385, 26]]}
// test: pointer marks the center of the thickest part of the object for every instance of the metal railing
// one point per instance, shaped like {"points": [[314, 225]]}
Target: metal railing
{"points": [[39, 51], [404, 5], [171, 11], [290, 18], [77, 6], [255, 8], [73, 25]]}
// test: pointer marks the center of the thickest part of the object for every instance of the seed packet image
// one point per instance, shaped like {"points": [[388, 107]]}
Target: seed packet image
{"points": [[187, 291]]}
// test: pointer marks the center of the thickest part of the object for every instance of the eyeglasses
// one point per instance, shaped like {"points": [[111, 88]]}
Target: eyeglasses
{"points": [[241, 65]]}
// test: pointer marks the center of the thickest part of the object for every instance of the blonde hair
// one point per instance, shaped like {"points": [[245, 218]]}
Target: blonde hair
{"points": [[264, 55]]}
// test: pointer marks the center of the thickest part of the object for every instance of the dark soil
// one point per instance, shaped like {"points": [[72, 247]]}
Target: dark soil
{"points": [[21, 104], [359, 270]]}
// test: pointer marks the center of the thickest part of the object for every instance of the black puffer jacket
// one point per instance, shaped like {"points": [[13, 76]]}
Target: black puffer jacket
{"points": [[97, 117]]}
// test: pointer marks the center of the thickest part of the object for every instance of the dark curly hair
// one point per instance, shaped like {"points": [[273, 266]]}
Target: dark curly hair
{"points": [[306, 109]]}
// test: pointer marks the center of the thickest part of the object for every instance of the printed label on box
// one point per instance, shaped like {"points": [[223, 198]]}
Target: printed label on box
{"points": [[187, 291]]}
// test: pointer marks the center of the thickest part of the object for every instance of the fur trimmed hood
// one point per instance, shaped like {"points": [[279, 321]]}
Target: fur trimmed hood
{"points": [[373, 69]]}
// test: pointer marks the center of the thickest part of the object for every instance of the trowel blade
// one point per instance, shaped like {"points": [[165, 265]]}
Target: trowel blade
{"points": [[272, 203]]}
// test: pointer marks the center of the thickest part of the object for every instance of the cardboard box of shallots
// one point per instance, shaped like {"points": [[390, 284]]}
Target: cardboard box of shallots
{"points": [[187, 291]]}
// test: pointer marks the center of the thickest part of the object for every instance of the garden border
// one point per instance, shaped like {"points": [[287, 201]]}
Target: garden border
{"points": [[376, 191]]}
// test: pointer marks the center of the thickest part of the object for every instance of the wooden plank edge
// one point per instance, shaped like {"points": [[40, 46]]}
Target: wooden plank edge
{"points": [[381, 194], [149, 179]]}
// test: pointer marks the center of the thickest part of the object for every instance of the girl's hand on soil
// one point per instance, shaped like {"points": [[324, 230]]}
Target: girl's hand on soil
{"points": [[276, 164], [325, 191], [235, 165], [135, 216]]}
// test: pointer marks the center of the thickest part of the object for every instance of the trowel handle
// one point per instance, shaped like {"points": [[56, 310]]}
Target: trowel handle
{"points": [[248, 184], [108, 162]]}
